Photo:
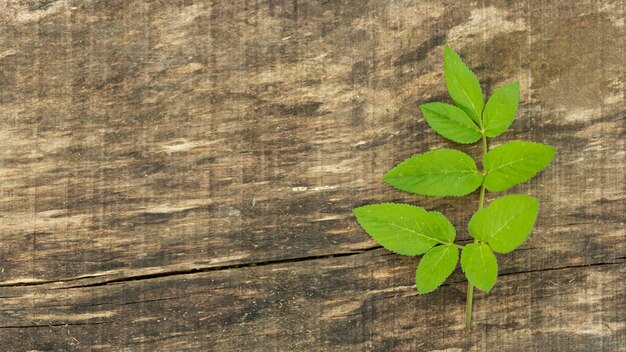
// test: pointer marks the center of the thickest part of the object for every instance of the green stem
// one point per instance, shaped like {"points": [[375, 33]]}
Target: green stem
{"points": [[468, 306], [481, 198], [470, 288], [484, 146]]}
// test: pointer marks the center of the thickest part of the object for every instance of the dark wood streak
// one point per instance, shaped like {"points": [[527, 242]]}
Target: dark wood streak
{"points": [[179, 175]]}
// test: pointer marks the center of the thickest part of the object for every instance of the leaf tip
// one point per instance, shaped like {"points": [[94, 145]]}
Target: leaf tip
{"points": [[387, 177], [448, 52], [423, 107], [360, 211], [422, 291], [551, 153]]}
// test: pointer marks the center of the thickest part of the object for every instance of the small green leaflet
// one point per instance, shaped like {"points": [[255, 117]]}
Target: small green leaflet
{"points": [[444, 172], [436, 265], [506, 222], [405, 229], [479, 265], [515, 162], [450, 122], [500, 109], [462, 85]]}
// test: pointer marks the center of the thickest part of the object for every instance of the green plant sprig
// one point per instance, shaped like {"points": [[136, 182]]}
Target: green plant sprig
{"points": [[500, 227]]}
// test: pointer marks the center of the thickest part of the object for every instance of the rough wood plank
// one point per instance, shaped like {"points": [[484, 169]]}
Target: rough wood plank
{"points": [[145, 146], [127, 145], [362, 302]]}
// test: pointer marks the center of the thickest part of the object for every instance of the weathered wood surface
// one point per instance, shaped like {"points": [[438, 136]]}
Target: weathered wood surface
{"points": [[178, 175]]}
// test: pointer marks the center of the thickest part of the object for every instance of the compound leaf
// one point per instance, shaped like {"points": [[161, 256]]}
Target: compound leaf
{"points": [[444, 172], [515, 162], [500, 109], [462, 84], [506, 222], [479, 265], [450, 122], [404, 229], [436, 265]]}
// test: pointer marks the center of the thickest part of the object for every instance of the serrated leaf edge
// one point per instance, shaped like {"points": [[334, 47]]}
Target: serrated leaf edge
{"points": [[526, 179], [485, 127], [438, 242], [482, 177], [456, 122], [497, 269], [454, 74], [532, 227], [447, 276]]}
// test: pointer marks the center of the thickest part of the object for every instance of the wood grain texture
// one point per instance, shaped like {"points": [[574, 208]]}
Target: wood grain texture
{"points": [[179, 175]]}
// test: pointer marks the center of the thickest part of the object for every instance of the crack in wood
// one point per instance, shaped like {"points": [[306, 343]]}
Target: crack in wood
{"points": [[47, 282], [223, 267], [619, 260], [118, 304]]}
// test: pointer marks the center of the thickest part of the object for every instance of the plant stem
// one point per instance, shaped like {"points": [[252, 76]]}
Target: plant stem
{"points": [[481, 198], [470, 288], [484, 146], [468, 306]]}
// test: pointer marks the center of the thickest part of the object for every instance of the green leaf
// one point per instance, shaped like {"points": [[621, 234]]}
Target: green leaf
{"points": [[435, 267], [444, 172], [500, 109], [404, 229], [479, 265], [450, 122], [515, 162], [462, 84], [506, 222]]}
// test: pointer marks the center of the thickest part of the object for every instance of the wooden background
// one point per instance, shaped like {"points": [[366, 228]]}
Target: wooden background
{"points": [[179, 175]]}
